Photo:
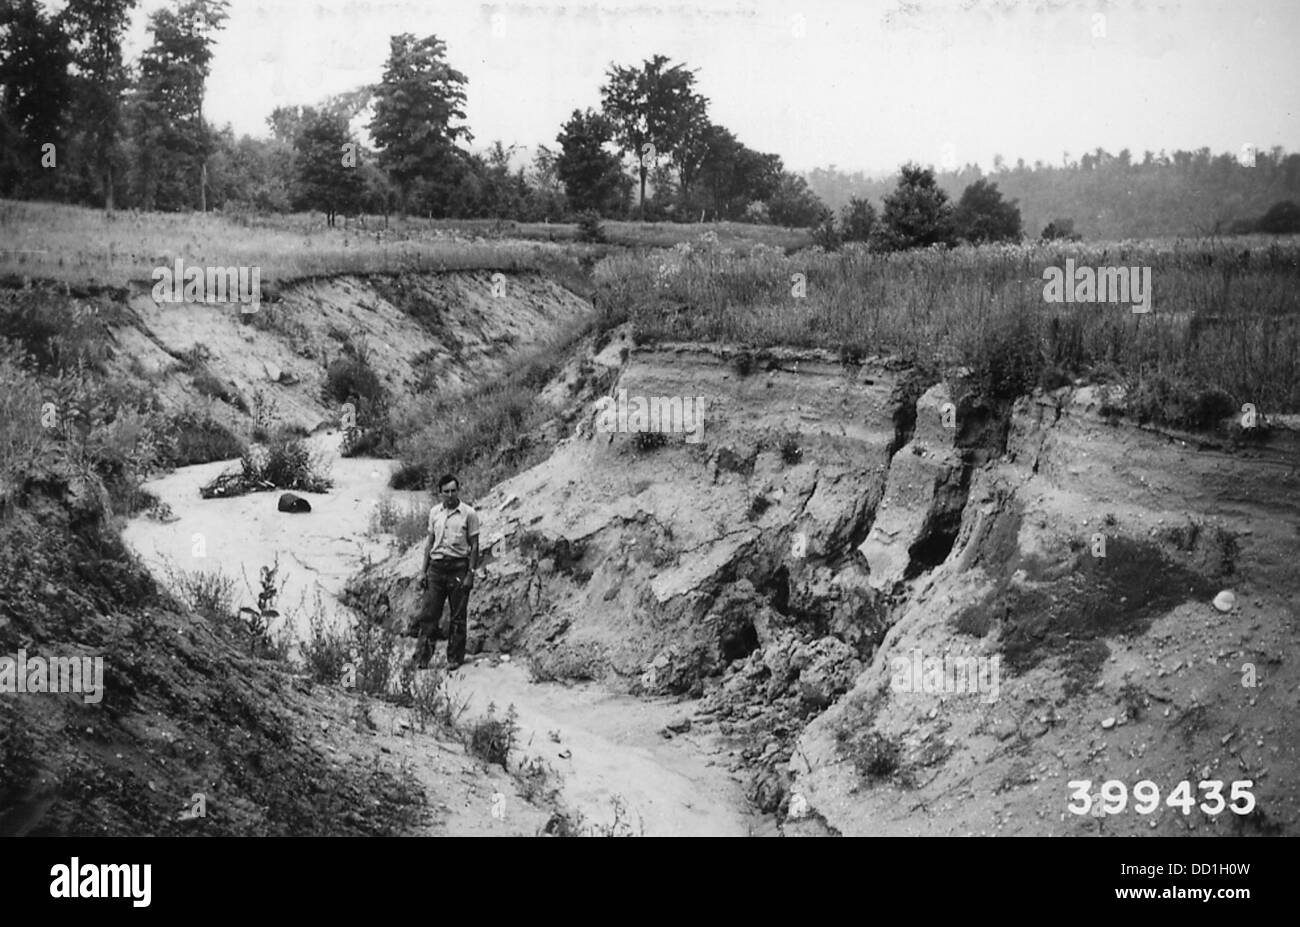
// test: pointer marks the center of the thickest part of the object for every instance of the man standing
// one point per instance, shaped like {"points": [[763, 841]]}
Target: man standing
{"points": [[450, 558]]}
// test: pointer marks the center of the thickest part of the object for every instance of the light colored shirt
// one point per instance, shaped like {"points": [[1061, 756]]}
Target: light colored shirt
{"points": [[451, 530]]}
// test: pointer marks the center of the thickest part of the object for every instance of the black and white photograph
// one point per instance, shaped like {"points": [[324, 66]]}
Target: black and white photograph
{"points": [[751, 418]]}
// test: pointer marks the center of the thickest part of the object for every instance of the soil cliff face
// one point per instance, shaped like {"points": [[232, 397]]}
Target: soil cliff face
{"points": [[444, 329], [828, 521]]}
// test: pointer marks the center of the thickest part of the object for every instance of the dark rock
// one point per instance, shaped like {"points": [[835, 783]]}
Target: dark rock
{"points": [[291, 503]]}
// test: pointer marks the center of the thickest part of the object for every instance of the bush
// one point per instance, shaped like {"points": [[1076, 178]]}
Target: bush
{"points": [[826, 235], [857, 220], [288, 464], [916, 215], [325, 651], [1060, 229], [192, 437], [590, 228], [982, 215], [208, 384], [491, 738], [1281, 219]]}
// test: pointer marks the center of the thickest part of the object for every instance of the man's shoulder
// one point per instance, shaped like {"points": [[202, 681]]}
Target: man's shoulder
{"points": [[467, 509]]}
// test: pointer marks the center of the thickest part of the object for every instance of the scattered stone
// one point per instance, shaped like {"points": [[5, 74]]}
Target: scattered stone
{"points": [[680, 726], [1108, 723], [1225, 601], [291, 503]]}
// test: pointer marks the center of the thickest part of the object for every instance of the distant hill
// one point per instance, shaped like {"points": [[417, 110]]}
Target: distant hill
{"points": [[1114, 196]]}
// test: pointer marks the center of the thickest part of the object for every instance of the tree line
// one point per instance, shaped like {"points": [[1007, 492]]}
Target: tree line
{"points": [[79, 124]]}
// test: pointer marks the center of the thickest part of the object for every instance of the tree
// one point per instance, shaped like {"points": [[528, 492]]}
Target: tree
{"points": [[729, 176], [327, 179], [982, 215], [857, 220], [172, 142], [1281, 219], [1062, 229], [654, 110], [95, 28], [794, 205], [593, 177], [545, 197], [35, 93], [416, 103], [917, 214]]}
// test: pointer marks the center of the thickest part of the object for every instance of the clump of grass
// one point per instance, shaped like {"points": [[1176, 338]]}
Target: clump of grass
{"points": [[206, 383], [325, 651], [791, 449], [192, 436], [646, 441], [209, 593], [491, 738]]}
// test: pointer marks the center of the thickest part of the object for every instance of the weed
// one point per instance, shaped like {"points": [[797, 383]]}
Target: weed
{"points": [[325, 651], [791, 450], [1134, 700], [491, 738], [646, 441]]}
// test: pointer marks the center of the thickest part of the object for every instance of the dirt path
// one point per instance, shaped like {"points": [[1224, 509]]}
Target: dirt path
{"points": [[611, 744]]}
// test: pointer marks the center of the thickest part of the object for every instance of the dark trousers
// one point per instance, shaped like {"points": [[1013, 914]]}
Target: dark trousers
{"points": [[444, 579]]}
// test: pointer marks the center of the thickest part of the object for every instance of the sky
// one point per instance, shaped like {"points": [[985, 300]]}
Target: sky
{"points": [[860, 84]]}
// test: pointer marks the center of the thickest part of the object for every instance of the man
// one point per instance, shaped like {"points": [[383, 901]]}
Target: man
{"points": [[450, 558]]}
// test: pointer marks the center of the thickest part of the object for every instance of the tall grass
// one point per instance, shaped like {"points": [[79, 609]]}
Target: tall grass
{"points": [[490, 429], [78, 246], [1224, 317]]}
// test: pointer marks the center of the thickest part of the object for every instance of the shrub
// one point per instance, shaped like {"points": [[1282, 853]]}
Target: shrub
{"points": [[325, 651], [1060, 230], [192, 437], [857, 220], [491, 738], [287, 464], [826, 235], [590, 229], [645, 441], [916, 215], [208, 384], [1282, 218], [791, 451], [211, 595]]}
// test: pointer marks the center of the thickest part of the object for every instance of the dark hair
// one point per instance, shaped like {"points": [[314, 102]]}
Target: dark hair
{"points": [[448, 478]]}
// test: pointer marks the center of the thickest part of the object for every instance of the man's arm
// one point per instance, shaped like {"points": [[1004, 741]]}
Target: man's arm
{"points": [[424, 561], [473, 562]]}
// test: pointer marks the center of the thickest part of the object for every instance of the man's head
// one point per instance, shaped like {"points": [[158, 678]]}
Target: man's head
{"points": [[449, 491]]}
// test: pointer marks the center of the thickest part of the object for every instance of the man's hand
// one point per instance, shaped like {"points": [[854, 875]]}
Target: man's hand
{"points": [[468, 582]]}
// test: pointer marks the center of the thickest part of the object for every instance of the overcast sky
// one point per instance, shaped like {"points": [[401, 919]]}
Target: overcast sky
{"points": [[862, 84]]}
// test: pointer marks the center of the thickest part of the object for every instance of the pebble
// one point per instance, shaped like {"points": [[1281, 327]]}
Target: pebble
{"points": [[1108, 723]]}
